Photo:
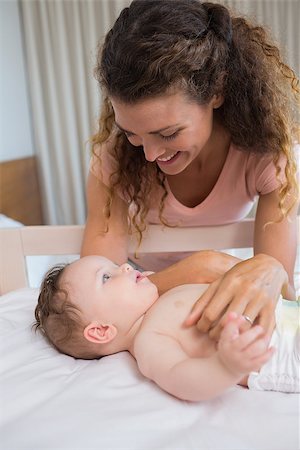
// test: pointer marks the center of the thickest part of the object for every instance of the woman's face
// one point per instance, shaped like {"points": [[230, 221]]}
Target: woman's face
{"points": [[172, 130]]}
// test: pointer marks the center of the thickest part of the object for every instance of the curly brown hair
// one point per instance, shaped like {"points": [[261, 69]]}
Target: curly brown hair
{"points": [[201, 49], [60, 320]]}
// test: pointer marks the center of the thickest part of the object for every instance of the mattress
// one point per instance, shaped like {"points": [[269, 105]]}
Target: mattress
{"points": [[52, 401]]}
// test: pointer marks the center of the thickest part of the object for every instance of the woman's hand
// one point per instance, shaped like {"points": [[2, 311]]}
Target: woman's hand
{"points": [[251, 288]]}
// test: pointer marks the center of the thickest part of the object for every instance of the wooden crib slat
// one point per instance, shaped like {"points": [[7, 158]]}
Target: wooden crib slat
{"points": [[61, 240], [17, 243], [13, 274], [52, 240]]}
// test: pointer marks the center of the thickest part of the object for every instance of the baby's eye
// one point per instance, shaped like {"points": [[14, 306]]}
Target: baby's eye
{"points": [[106, 277]]}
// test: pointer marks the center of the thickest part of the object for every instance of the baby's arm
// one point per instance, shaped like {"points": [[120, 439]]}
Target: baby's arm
{"points": [[162, 359], [243, 352]]}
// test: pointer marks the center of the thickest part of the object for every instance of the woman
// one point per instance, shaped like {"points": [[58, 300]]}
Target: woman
{"points": [[196, 124]]}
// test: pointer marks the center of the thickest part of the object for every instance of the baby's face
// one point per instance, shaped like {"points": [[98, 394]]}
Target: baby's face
{"points": [[109, 293]]}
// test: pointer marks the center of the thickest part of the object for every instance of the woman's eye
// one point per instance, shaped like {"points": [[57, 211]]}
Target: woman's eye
{"points": [[171, 136], [106, 277], [133, 139], [129, 135]]}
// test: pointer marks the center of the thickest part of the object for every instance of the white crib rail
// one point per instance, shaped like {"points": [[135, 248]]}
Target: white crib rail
{"points": [[17, 243]]}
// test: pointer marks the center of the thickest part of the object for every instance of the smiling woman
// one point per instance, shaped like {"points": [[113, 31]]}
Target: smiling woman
{"points": [[197, 124], [170, 125], [66, 40]]}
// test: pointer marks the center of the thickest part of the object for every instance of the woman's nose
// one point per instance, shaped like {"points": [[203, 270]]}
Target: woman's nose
{"points": [[151, 151], [126, 267]]}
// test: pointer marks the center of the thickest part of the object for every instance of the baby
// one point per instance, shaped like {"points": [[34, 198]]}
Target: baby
{"points": [[93, 308]]}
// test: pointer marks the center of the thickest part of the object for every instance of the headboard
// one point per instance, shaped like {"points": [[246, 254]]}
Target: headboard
{"points": [[20, 192]]}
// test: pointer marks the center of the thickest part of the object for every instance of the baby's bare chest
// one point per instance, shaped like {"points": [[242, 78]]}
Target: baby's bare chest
{"points": [[167, 317]]}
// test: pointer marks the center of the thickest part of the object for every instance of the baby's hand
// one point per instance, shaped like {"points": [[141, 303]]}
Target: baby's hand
{"points": [[243, 352]]}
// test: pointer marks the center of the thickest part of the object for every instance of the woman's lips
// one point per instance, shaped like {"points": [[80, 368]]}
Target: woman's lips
{"points": [[168, 159]]}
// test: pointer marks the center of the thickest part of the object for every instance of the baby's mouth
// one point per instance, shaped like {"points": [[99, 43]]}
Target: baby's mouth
{"points": [[139, 277]]}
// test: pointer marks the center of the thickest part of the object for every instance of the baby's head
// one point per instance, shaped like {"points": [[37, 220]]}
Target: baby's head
{"points": [[92, 307]]}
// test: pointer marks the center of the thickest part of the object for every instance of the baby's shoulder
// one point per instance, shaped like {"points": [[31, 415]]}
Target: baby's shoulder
{"points": [[170, 310], [180, 296]]}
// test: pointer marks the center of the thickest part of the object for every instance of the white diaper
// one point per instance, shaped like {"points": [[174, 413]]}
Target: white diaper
{"points": [[281, 372]]}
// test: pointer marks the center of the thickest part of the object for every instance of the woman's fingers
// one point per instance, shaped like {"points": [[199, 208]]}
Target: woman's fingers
{"points": [[234, 293], [251, 311], [248, 289], [215, 308], [237, 307], [200, 305], [267, 320], [251, 308], [258, 314]]}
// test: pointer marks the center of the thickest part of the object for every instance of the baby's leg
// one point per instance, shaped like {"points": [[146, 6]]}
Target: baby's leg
{"points": [[244, 381]]}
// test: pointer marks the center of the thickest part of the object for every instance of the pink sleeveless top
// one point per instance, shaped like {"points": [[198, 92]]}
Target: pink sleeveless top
{"points": [[243, 178]]}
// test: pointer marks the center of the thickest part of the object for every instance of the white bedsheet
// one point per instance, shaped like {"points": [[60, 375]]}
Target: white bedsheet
{"points": [[51, 401]]}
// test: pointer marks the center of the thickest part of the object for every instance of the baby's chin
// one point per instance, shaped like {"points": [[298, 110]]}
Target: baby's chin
{"points": [[150, 286], [155, 294]]}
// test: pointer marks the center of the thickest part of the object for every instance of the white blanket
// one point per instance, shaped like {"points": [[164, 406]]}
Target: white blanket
{"points": [[52, 401]]}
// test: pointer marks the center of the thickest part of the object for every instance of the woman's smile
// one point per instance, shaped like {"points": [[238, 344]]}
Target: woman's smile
{"points": [[171, 129], [169, 158]]}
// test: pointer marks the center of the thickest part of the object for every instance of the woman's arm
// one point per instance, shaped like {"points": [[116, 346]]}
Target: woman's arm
{"points": [[201, 267], [114, 243], [253, 286], [278, 239]]}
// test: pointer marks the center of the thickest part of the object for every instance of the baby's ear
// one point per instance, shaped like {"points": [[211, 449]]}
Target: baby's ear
{"points": [[100, 333]]}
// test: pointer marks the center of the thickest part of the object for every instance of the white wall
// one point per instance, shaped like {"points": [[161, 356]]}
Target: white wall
{"points": [[15, 129]]}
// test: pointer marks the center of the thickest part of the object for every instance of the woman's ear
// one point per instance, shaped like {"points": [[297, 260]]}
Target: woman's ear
{"points": [[100, 333], [217, 100]]}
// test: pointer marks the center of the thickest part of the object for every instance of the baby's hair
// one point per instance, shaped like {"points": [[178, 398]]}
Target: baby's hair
{"points": [[158, 47], [59, 319]]}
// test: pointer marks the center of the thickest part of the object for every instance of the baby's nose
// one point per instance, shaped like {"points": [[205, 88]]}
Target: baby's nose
{"points": [[126, 267]]}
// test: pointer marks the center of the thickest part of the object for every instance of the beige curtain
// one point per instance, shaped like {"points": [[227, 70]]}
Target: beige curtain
{"points": [[281, 17], [60, 39]]}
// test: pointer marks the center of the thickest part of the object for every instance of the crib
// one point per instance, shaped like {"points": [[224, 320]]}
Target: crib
{"points": [[52, 401]]}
